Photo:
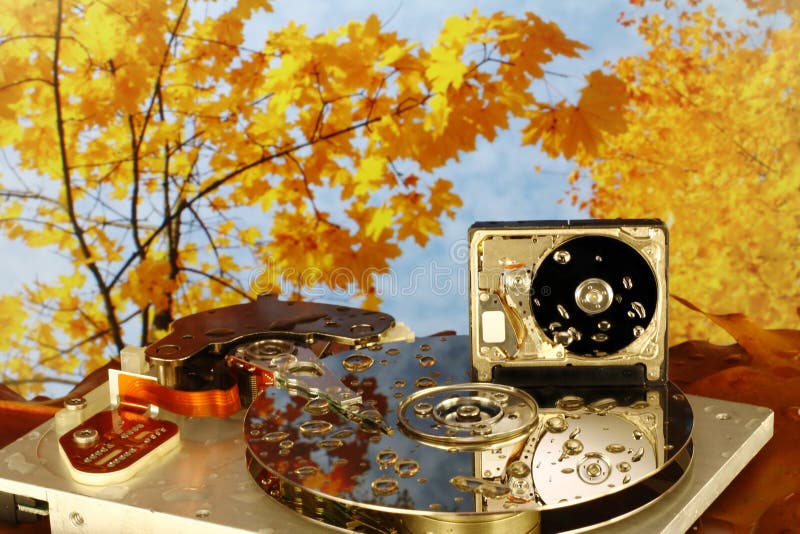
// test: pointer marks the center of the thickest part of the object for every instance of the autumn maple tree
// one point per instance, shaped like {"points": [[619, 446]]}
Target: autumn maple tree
{"points": [[152, 146], [711, 147]]}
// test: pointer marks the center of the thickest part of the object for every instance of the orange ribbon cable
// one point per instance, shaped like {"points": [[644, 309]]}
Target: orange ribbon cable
{"points": [[213, 403]]}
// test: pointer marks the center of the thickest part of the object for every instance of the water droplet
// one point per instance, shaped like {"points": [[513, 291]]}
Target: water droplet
{"points": [[638, 308], [465, 483], [306, 471], [638, 330], [562, 311], [562, 256], [574, 433], [555, 325], [631, 314], [357, 362], [623, 467], [570, 403], [385, 458], [331, 443], [637, 434], [573, 447], [435, 506], [615, 448], [406, 468], [384, 486], [275, 436], [424, 347], [575, 333], [567, 470], [286, 444], [723, 416], [556, 424], [518, 469], [393, 351], [423, 409], [315, 428], [399, 384], [342, 434], [563, 338], [598, 259], [599, 337], [603, 406], [637, 455], [605, 326], [427, 361], [425, 382], [537, 302], [422, 480], [318, 406], [284, 452], [494, 490], [627, 282]]}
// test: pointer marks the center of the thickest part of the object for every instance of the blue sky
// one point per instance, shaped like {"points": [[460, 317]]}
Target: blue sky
{"points": [[496, 182]]}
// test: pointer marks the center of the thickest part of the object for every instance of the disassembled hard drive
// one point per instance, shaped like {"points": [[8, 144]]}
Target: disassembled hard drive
{"points": [[556, 414]]}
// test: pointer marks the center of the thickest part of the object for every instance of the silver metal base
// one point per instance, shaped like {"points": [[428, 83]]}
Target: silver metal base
{"points": [[204, 485]]}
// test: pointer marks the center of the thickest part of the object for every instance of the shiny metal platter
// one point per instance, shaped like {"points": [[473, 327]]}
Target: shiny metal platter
{"points": [[457, 456]]}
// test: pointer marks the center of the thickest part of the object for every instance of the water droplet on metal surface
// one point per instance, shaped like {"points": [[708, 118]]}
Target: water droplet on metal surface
{"points": [[385, 458], [357, 362], [384, 486], [638, 330], [567, 470], [563, 338], [331, 443], [599, 337], [574, 433], [605, 326], [406, 468], [638, 308], [315, 428], [615, 448], [393, 351], [627, 282], [626, 479], [318, 406], [425, 382], [342, 434], [423, 409], [399, 384], [286, 444], [570, 403], [562, 311], [556, 424], [424, 347], [427, 361], [623, 467], [275, 436], [562, 256], [573, 447], [637, 434], [637, 455], [306, 471]]}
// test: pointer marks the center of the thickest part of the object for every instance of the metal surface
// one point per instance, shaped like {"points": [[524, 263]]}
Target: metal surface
{"points": [[448, 463], [588, 294], [218, 328], [204, 485]]}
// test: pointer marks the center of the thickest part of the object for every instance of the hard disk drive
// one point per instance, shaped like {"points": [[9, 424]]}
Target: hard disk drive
{"points": [[555, 414]]}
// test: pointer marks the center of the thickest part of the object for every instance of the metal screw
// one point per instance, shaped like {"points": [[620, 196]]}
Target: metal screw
{"points": [[85, 436], [75, 403], [76, 519]]}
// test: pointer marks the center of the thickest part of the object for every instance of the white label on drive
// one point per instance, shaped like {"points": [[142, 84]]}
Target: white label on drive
{"points": [[493, 324]]}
